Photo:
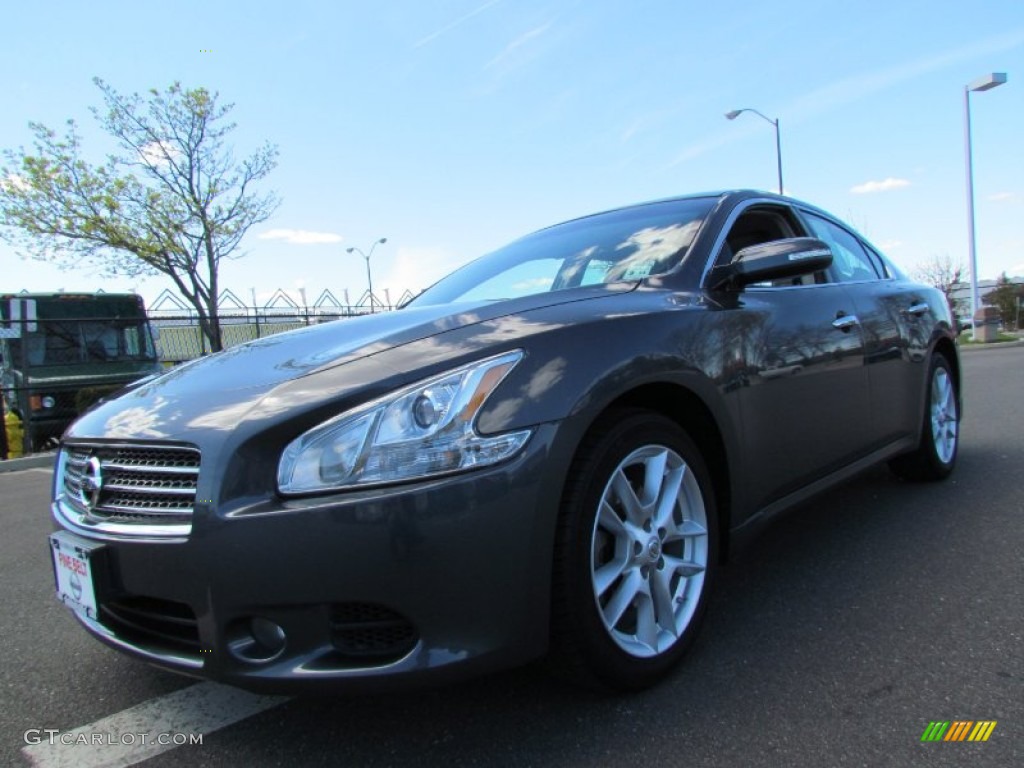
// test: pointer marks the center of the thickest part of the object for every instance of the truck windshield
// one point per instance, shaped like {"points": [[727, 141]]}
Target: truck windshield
{"points": [[69, 342]]}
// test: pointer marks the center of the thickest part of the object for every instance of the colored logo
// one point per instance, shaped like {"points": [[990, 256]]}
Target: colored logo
{"points": [[958, 730]]}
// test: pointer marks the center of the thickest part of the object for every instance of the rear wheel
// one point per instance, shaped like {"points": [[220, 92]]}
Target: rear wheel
{"points": [[935, 455], [635, 552]]}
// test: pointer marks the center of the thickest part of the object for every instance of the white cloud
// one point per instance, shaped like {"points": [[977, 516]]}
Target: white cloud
{"points": [[879, 186], [15, 181], [999, 197], [300, 236], [158, 153], [631, 130], [857, 87], [534, 285], [890, 245], [519, 42], [454, 24], [699, 148]]}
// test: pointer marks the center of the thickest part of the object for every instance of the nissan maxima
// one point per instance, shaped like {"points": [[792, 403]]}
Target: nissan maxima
{"points": [[547, 453]]}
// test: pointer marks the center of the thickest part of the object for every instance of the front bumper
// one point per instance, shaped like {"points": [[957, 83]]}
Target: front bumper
{"points": [[423, 582]]}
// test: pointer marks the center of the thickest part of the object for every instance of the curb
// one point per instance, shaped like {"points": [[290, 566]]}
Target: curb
{"points": [[28, 462]]}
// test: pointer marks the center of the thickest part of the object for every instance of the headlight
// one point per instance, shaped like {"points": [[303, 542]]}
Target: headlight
{"points": [[421, 430]]}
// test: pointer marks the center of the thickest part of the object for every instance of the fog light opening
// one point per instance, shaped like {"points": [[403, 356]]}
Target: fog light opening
{"points": [[255, 639]]}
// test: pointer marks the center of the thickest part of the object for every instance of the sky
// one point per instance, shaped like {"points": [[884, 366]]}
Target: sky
{"points": [[454, 126]]}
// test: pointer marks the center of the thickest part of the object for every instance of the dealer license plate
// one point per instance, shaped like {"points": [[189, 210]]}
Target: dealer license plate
{"points": [[73, 561]]}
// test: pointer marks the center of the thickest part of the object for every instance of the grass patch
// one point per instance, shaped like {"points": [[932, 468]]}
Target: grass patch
{"points": [[968, 339]]}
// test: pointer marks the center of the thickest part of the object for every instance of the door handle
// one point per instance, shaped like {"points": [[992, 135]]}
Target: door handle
{"points": [[917, 309], [844, 322]]}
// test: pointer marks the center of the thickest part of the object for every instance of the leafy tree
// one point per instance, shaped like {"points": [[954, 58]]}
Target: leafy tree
{"points": [[1005, 295], [945, 273], [172, 199]]}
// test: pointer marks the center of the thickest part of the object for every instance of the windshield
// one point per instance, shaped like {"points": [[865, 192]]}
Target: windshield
{"points": [[65, 342], [624, 245]]}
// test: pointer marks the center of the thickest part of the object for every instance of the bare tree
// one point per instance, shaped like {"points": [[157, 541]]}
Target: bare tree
{"points": [[172, 200], [943, 272]]}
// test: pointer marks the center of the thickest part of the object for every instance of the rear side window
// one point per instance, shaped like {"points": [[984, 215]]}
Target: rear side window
{"points": [[885, 267]]}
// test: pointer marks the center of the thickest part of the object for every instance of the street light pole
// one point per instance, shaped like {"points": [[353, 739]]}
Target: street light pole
{"points": [[732, 115], [369, 278], [983, 83]]}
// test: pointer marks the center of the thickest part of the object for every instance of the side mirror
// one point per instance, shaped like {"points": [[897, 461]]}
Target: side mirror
{"points": [[777, 260]]}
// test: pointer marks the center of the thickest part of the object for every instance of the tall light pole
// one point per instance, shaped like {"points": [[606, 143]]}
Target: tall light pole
{"points": [[984, 83], [369, 279], [778, 140]]}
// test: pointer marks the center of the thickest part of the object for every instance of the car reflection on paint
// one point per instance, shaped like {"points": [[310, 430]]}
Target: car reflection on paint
{"points": [[550, 452]]}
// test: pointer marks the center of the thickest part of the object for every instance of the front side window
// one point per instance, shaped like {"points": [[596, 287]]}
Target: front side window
{"points": [[850, 262], [765, 224], [625, 245]]}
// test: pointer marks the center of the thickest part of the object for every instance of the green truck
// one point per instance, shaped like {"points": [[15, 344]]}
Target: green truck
{"points": [[61, 352]]}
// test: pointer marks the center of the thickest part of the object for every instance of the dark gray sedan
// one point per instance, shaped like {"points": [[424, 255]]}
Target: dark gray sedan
{"points": [[549, 451]]}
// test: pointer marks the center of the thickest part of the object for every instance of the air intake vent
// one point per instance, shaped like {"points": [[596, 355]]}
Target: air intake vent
{"points": [[153, 623], [370, 633]]}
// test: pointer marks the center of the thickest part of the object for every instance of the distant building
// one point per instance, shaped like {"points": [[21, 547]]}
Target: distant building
{"points": [[961, 294]]}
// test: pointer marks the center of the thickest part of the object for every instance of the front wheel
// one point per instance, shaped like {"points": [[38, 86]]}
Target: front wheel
{"points": [[935, 455], [635, 552]]}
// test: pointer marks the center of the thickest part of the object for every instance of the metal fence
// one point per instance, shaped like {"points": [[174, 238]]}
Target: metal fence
{"points": [[179, 337], [51, 370]]}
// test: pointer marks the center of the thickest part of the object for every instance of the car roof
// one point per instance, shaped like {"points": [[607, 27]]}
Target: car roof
{"points": [[722, 196]]}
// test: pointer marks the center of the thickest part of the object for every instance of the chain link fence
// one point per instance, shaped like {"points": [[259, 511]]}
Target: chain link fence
{"points": [[179, 337]]}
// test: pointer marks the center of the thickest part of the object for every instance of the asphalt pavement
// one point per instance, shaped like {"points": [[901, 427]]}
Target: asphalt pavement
{"points": [[851, 624]]}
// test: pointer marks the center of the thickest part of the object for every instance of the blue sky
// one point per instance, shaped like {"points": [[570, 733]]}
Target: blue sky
{"points": [[451, 127]]}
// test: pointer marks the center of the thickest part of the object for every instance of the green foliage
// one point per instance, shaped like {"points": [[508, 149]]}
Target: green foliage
{"points": [[1006, 296], [172, 200]]}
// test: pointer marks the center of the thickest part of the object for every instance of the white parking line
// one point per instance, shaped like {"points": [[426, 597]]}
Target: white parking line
{"points": [[142, 731]]}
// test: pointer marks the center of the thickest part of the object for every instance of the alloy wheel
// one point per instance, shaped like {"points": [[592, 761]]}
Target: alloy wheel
{"points": [[649, 551]]}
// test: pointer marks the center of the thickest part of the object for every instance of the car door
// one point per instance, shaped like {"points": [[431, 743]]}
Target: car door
{"points": [[894, 321], [804, 401]]}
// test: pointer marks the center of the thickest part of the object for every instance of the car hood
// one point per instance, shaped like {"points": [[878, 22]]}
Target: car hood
{"points": [[265, 362], [220, 390]]}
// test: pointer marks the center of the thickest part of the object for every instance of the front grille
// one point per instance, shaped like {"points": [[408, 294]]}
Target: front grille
{"points": [[370, 633], [137, 485], [161, 625]]}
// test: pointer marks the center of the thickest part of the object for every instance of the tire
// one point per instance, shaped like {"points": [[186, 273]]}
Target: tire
{"points": [[935, 455], [635, 553]]}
